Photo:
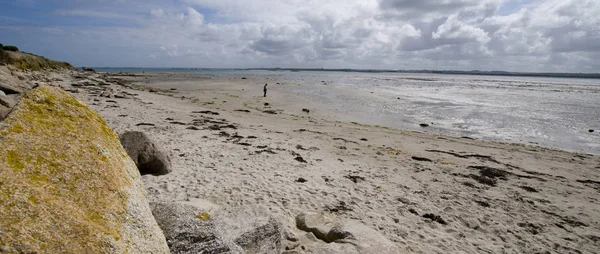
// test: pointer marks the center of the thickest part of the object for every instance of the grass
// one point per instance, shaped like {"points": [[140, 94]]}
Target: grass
{"points": [[27, 61]]}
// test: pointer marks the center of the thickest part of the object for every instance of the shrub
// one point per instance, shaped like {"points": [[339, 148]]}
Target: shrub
{"points": [[10, 48], [1, 45]]}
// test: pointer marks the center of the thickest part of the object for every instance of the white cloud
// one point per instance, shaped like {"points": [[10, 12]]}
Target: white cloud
{"points": [[466, 34]]}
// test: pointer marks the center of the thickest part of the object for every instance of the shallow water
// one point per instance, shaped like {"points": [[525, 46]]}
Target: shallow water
{"points": [[551, 112]]}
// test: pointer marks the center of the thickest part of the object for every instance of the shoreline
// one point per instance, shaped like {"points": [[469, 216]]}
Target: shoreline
{"points": [[290, 104]]}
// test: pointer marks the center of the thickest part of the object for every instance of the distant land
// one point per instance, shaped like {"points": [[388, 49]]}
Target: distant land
{"points": [[450, 72], [474, 72]]}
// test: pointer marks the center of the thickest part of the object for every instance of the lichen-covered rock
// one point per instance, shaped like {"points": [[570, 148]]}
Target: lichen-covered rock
{"points": [[67, 185], [149, 157]]}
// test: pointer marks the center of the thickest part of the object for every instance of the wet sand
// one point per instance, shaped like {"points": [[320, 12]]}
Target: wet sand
{"points": [[426, 192]]}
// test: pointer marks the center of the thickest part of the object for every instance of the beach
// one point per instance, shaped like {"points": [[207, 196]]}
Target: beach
{"points": [[426, 192]]}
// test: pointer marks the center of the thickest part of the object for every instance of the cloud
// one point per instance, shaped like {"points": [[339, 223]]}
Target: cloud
{"points": [[550, 35]]}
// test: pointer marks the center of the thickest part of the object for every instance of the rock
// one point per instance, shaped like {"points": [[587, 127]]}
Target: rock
{"points": [[147, 155], [254, 230], [9, 89], [337, 236], [273, 112], [424, 125], [4, 113], [6, 101], [305, 110], [591, 130], [202, 227], [188, 229], [67, 184], [20, 76], [88, 69]]}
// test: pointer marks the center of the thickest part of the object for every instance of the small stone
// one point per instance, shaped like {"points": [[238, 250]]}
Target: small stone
{"points": [[424, 125], [591, 130]]}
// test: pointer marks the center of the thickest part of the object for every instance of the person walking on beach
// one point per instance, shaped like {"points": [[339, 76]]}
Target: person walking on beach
{"points": [[265, 90]]}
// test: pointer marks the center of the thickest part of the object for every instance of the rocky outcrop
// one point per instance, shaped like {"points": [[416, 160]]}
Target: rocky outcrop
{"points": [[149, 157], [88, 69], [11, 87], [326, 234], [67, 185], [199, 228]]}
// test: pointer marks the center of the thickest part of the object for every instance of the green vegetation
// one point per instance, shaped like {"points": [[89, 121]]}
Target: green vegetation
{"points": [[27, 61], [10, 48]]}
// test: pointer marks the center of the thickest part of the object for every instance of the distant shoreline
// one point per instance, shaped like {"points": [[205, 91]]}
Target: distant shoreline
{"points": [[449, 72]]}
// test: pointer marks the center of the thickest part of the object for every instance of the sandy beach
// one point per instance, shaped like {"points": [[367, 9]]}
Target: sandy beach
{"points": [[427, 193]]}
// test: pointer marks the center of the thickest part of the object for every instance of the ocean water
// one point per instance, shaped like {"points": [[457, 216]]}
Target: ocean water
{"points": [[551, 112]]}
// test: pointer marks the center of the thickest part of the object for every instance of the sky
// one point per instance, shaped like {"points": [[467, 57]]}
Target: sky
{"points": [[509, 35]]}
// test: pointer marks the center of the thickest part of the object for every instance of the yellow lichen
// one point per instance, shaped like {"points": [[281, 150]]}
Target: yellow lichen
{"points": [[54, 185], [14, 160], [203, 216]]}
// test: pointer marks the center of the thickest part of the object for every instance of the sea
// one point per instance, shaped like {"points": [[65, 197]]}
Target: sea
{"points": [[562, 113]]}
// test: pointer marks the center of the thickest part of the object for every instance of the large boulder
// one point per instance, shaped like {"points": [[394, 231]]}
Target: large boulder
{"points": [[199, 227], [149, 157], [327, 234], [253, 229], [189, 230], [67, 185]]}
